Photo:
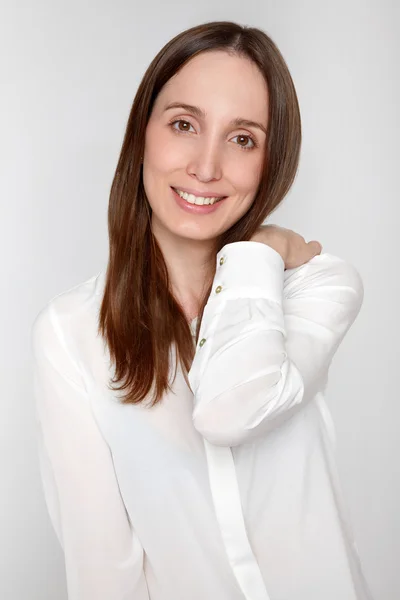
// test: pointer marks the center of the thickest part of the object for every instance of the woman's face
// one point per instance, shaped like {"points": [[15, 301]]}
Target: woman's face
{"points": [[206, 136]]}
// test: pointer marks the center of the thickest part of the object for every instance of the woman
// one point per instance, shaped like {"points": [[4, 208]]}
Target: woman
{"points": [[186, 449]]}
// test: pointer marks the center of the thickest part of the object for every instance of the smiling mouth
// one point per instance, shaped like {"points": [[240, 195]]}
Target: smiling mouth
{"points": [[198, 200]]}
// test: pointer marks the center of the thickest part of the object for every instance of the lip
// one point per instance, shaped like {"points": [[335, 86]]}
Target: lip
{"points": [[198, 193], [196, 209]]}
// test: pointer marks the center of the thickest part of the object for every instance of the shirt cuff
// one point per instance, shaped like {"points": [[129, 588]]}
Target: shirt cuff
{"points": [[248, 270]]}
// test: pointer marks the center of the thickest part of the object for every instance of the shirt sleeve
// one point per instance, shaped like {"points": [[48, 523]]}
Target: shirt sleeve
{"points": [[267, 339], [103, 557]]}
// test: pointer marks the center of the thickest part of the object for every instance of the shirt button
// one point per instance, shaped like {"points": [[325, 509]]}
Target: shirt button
{"points": [[222, 260], [218, 289], [202, 342]]}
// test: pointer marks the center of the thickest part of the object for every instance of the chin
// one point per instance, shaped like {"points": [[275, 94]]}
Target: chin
{"points": [[193, 232]]}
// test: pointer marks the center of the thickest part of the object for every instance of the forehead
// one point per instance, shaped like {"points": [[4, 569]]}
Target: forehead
{"points": [[217, 81]]}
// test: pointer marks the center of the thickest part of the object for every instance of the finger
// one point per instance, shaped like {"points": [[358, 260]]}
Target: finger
{"points": [[315, 247]]}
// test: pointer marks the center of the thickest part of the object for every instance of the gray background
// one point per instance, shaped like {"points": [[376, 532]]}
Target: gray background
{"points": [[69, 72]]}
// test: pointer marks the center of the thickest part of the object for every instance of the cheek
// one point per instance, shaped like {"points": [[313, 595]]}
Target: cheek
{"points": [[245, 176], [153, 144], [162, 152]]}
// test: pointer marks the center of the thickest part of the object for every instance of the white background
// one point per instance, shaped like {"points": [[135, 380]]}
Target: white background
{"points": [[69, 72]]}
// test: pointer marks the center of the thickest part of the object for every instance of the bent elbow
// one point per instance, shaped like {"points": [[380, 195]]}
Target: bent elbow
{"points": [[205, 424], [249, 411]]}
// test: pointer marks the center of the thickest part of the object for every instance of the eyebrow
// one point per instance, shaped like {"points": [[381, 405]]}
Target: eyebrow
{"points": [[200, 114]]}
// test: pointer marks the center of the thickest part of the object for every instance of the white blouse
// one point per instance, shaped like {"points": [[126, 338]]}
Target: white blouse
{"points": [[227, 490]]}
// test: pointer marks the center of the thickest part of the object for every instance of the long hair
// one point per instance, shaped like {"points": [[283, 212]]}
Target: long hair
{"points": [[140, 319]]}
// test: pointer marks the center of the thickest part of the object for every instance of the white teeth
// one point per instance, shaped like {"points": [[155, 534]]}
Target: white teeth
{"points": [[196, 199]]}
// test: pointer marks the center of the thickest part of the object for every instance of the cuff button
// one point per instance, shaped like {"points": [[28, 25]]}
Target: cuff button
{"points": [[202, 342], [222, 260], [218, 289]]}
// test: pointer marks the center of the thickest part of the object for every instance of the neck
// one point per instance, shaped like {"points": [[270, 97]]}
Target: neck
{"points": [[190, 265]]}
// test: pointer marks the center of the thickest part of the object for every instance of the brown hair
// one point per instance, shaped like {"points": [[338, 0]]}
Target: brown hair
{"points": [[139, 317]]}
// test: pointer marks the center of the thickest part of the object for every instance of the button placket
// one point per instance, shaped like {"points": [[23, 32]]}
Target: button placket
{"points": [[218, 289], [222, 260]]}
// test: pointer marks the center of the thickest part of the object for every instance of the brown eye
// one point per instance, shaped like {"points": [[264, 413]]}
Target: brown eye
{"points": [[244, 140], [184, 125], [181, 125]]}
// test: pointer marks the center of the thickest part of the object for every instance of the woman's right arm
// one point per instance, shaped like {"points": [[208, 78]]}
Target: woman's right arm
{"points": [[103, 556]]}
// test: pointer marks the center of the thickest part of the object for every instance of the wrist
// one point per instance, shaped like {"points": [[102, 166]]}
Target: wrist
{"points": [[279, 244]]}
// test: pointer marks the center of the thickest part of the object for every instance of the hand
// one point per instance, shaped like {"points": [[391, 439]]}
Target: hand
{"points": [[293, 248]]}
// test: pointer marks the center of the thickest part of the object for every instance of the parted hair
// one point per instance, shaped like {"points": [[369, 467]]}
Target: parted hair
{"points": [[140, 320]]}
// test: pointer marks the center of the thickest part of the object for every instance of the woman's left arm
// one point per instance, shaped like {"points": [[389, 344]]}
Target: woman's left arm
{"points": [[267, 339]]}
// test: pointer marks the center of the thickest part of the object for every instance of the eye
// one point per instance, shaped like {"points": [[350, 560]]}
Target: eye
{"points": [[246, 142], [185, 126], [246, 138]]}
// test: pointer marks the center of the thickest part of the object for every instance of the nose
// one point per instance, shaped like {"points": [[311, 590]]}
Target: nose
{"points": [[205, 163]]}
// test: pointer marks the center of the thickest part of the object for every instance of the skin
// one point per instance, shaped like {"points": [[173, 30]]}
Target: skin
{"points": [[293, 248], [209, 154]]}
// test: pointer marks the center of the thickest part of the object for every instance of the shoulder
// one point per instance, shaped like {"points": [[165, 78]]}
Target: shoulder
{"points": [[326, 272], [68, 309]]}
